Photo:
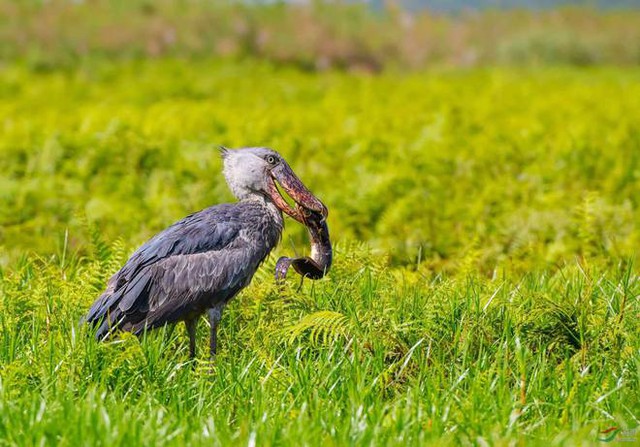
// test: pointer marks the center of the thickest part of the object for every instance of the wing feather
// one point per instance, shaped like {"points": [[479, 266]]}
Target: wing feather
{"points": [[211, 229], [187, 284], [201, 259]]}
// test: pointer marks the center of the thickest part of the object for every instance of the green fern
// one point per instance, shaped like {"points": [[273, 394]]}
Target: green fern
{"points": [[322, 325], [117, 255], [101, 249]]}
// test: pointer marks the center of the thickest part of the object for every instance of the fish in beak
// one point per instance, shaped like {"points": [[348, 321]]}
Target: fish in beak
{"points": [[293, 186]]}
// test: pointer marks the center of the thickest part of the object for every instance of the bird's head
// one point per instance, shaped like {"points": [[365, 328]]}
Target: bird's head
{"points": [[255, 171]]}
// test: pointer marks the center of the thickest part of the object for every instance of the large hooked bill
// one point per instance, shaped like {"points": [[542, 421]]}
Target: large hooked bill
{"points": [[318, 264], [293, 186]]}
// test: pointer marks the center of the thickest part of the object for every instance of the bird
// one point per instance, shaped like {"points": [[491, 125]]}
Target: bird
{"points": [[198, 264]]}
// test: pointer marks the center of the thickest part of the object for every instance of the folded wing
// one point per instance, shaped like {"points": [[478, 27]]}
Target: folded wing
{"points": [[200, 259]]}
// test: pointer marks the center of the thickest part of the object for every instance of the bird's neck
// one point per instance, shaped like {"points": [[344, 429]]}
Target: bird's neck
{"points": [[272, 210]]}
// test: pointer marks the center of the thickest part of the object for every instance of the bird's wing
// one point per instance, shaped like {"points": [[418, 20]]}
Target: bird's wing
{"points": [[185, 284], [209, 230]]}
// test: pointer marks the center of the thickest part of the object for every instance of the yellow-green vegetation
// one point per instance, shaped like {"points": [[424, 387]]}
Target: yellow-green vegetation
{"points": [[484, 288]]}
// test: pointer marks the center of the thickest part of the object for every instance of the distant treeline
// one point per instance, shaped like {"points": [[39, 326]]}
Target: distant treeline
{"points": [[314, 36]]}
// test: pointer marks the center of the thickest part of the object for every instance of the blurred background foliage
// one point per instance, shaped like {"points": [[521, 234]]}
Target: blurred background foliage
{"points": [[112, 112], [316, 35], [527, 167]]}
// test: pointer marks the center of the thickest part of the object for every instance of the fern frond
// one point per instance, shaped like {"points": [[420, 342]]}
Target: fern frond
{"points": [[101, 249], [324, 324], [117, 256]]}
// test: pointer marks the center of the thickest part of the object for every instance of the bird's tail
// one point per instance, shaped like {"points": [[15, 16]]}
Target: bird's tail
{"points": [[104, 315]]}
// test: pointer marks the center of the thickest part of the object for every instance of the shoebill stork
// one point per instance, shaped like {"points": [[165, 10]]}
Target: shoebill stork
{"points": [[201, 262]]}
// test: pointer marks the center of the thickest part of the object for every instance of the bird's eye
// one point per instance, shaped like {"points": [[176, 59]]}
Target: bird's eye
{"points": [[272, 160]]}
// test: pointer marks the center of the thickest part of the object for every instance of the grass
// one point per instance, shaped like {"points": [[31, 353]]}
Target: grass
{"points": [[485, 288]]}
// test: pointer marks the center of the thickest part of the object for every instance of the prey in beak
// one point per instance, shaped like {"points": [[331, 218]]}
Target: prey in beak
{"points": [[251, 171], [299, 193]]}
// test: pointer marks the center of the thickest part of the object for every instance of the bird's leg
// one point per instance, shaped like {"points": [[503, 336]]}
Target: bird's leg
{"points": [[301, 282], [215, 314], [191, 325]]}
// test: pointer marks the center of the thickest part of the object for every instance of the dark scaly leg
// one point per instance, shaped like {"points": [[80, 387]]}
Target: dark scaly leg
{"points": [[191, 325], [215, 315]]}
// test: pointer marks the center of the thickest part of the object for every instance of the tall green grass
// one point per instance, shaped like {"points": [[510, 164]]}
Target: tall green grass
{"points": [[370, 355], [485, 287]]}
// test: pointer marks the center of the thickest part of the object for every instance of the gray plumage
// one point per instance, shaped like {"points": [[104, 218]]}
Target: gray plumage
{"points": [[202, 261], [199, 262]]}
